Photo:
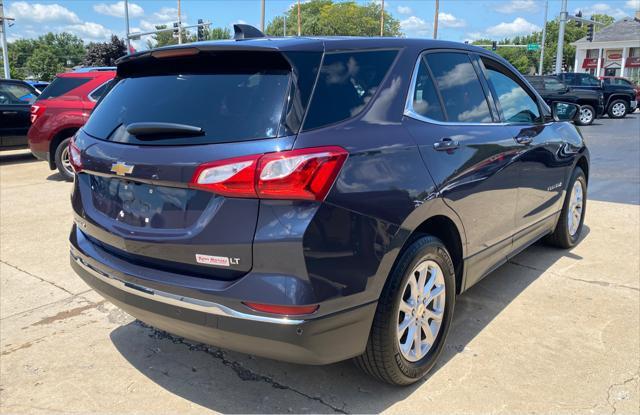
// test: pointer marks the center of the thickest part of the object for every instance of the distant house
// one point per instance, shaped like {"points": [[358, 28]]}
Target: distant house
{"points": [[614, 51]]}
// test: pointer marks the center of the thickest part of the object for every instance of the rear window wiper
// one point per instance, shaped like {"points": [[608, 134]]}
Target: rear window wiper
{"points": [[150, 129]]}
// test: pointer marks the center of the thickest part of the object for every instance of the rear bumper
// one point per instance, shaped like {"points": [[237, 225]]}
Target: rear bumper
{"points": [[322, 340]]}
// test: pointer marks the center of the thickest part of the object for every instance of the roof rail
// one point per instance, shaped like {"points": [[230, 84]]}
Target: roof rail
{"points": [[246, 31]]}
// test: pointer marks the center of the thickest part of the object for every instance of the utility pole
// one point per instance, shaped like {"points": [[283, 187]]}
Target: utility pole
{"points": [[284, 31], [382, 20], [262, 16], [563, 22], [299, 20], [435, 20], [544, 38], [3, 40], [126, 22], [179, 24]]}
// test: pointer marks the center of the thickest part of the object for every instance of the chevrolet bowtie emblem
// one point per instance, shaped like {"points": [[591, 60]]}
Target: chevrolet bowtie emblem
{"points": [[121, 169]]}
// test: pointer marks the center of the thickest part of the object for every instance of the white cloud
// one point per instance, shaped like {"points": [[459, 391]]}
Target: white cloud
{"points": [[632, 4], [90, 31], [415, 26], [449, 20], [168, 14], [602, 8], [519, 26], [404, 10], [117, 9], [41, 13], [518, 6]]}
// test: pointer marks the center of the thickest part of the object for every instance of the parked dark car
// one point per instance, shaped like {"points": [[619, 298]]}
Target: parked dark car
{"points": [[60, 111], [16, 98], [551, 89], [318, 199], [619, 100]]}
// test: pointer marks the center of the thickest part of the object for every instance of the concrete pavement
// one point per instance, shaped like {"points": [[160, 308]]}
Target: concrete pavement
{"points": [[551, 331]]}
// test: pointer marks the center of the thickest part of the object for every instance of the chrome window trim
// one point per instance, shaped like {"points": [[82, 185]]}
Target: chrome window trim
{"points": [[180, 301], [408, 106], [89, 95]]}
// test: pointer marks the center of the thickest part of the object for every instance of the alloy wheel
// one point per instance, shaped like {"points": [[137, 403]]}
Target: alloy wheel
{"points": [[618, 109], [66, 162], [586, 115], [421, 310], [574, 213]]}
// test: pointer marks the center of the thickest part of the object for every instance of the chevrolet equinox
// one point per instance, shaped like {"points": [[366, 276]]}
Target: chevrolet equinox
{"points": [[318, 199]]}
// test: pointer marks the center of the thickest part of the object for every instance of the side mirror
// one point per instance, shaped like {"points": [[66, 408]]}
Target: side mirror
{"points": [[564, 111]]}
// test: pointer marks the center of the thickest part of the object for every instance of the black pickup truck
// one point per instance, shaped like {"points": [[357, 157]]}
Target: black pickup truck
{"points": [[551, 89], [16, 98], [619, 100]]}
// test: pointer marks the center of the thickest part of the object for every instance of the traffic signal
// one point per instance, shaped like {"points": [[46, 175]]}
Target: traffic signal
{"points": [[590, 33], [200, 30], [494, 45], [579, 14], [176, 30]]}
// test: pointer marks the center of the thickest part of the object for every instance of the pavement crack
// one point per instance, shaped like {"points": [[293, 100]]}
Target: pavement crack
{"points": [[595, 282], [35, 276], [242, 372], [609, 397]]}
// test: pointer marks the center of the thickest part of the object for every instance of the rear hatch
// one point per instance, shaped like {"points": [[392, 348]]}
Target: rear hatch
{"points": [[163, 117]]}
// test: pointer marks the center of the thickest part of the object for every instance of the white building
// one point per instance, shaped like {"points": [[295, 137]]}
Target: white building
{"points": [[614, 51]]}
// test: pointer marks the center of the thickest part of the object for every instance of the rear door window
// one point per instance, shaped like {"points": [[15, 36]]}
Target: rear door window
{"points": [[16, 94], [553, 84], [460, 88], [588, 80], [61, 86], [346, 83]]}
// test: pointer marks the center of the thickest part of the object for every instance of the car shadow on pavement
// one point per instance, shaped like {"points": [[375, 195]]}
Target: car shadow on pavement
{"points": [[56, 177], [217, 379], [16, 158]]}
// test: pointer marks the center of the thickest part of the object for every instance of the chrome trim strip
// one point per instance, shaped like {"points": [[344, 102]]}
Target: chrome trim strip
{"points": [[180, 301]]}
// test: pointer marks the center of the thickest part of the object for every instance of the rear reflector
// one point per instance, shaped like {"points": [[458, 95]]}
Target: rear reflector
{"points": [[306, 174], [36, 111], [285, 310]]}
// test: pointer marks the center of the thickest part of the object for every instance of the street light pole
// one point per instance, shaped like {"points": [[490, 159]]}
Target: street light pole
{"points": [[563, 22], [544, 38], [262, 16], [299, 20], [435, 20], [126, 22], [5, 51], [179, 24]]}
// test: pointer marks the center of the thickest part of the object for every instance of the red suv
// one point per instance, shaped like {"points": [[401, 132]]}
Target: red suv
{"points": [[60, 111]]}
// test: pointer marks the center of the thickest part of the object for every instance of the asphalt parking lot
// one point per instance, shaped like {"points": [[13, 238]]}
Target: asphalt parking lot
{"points": [[551, 331]]}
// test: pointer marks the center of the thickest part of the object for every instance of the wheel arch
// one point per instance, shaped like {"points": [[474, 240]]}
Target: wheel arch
{"points": [[614, 97], [583, 163], [55, 142]]}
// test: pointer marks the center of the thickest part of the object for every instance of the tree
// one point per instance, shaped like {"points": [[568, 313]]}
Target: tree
{"points": [[326, 18], [43, 63], [106, 53]]}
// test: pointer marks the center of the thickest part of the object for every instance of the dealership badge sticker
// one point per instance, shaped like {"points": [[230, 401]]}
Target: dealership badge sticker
{"points": [[222, 261]]}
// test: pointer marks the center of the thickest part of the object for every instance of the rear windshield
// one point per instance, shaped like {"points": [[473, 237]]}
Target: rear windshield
{"points": [[61, 86]]}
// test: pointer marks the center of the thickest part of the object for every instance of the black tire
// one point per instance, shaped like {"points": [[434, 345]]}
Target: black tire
{"points": [[615, 104], [561, 236], [382, 358], [60, 151], [586, 120]]}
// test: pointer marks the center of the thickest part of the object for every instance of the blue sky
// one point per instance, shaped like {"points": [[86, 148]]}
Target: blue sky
{"points": [[459, 19]]}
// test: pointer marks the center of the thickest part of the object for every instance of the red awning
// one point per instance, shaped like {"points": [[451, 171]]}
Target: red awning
{"points": [[591, 62]]}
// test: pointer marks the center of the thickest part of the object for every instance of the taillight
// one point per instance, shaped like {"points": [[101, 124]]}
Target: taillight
{"points": [[306, 174], [285, 310], [36, 111], [74, 156]]}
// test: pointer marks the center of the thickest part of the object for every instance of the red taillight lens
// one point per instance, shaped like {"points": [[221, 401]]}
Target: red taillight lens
{"points": [[36, 111], [75, 156], [306, 174], [285, 310], [232, 177]]}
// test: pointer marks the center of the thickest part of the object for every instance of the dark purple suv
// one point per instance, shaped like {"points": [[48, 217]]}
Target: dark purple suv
{"points": [[318, 199]]}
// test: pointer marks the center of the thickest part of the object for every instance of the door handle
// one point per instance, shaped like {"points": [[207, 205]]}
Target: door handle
{"points": [[446, 144], [9, 112], [524, 139]]}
